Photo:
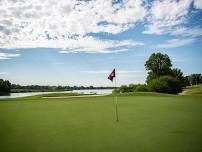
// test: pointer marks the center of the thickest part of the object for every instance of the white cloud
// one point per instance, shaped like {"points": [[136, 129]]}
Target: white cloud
{"points": [[182, 31], [176, 43], [7, 55], [170, 9], [198, 4], [66, 23], [52, 23], [164, 15]]}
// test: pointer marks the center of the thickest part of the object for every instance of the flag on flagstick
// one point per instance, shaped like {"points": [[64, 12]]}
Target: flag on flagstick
{"points": [[111, 77]]}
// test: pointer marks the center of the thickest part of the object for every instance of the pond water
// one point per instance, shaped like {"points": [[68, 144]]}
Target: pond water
{"points": [[87, 91]]}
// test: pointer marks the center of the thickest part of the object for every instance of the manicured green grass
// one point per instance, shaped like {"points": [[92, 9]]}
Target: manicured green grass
{"points": [[148, 123]]}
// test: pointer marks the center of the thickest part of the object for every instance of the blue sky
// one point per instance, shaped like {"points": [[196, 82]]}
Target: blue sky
{"points": [[79, 42]]}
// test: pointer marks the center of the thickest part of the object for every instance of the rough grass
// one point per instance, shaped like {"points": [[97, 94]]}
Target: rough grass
{"points": [[193, 90], [60, 94], [148, 123]]}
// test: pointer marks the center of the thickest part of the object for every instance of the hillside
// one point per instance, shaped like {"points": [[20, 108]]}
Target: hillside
{"points": [[192, 90]]}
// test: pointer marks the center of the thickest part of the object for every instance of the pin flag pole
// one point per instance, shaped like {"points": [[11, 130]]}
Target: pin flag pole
{"points": [[117, 117]]}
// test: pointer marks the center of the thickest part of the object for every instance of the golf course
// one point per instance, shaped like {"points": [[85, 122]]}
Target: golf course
{"points": [[148, 122], [100, 75]]}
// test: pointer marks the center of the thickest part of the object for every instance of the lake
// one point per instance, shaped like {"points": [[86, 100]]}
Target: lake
{"points": [[87, 91]]}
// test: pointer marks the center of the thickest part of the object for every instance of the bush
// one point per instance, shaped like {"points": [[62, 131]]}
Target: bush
{"points": [[124, 88], [165, 84], [115, 91], [132, 88], [141, 88]]}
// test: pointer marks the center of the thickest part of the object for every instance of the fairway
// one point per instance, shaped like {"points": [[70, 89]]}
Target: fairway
{"points": [[148, 123]]}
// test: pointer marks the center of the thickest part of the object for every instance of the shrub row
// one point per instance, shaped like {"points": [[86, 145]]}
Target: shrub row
{"points": [[163, 84]]}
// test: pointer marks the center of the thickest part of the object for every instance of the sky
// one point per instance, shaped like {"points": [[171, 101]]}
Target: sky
{"points": [[79, 42]]}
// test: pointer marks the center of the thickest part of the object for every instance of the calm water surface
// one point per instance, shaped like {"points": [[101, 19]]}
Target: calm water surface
{"points": [[88, 91]]}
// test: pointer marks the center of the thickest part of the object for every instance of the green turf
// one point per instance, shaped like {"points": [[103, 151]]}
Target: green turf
{"points": [[148, 123]]}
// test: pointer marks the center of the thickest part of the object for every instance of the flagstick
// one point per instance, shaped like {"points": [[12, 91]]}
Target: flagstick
{"points": [[117, 117]]}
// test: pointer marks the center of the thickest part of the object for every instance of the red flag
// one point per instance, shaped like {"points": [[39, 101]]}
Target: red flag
{"points": [[112, 75]]}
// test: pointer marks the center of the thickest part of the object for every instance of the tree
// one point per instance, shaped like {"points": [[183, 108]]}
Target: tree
{"points": [[131, 87], [161, 77], [158, 64], [186, 81], [124, 88], [177, 73], [194, 79], [151, 75], [141, 88], [5, 86]]}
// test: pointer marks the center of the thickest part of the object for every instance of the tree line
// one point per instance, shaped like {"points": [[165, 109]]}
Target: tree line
{"points": [[162, 77], [6, 87], [36, 88]]}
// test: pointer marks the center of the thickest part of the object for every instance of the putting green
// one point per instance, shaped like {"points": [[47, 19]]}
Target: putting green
{"points": [[148, 123]]}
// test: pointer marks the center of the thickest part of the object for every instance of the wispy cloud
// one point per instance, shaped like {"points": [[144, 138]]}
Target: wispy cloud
{"points": [[90, 44], [87, 51], [58, 63], [131, 75], [3, 73], [176, 43], [4, 56], [120, 73], [97, 72], [117, 71], [183, 31]]}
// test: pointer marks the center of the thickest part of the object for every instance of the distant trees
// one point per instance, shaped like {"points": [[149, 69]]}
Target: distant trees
{"points": [[5, 86], [39, 88], [194, 79]]}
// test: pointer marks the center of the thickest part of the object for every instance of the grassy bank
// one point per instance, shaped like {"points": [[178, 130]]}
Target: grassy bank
{"points": [[193, 90], [61, 94]]}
